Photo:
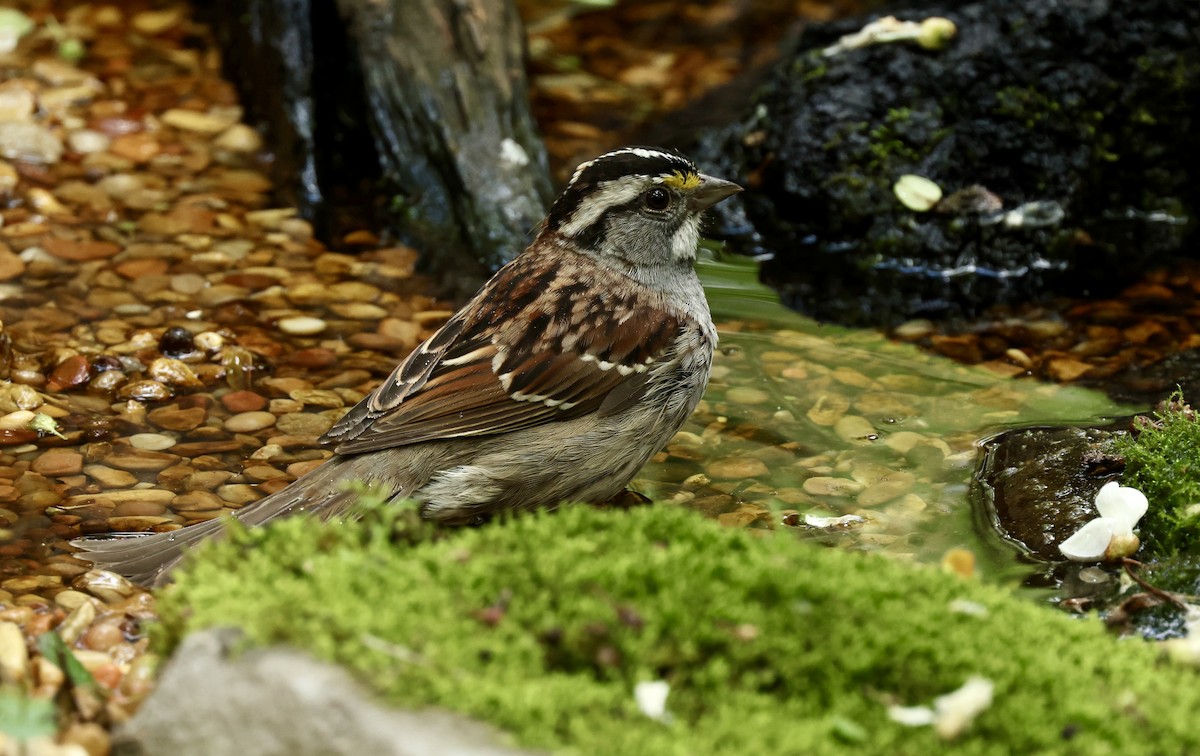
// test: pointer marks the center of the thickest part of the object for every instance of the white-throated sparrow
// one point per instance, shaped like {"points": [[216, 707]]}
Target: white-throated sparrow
{"points": [[573, 365]]}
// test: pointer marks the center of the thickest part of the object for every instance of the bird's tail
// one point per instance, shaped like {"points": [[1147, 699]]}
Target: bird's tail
{"points": [[148, 559]]}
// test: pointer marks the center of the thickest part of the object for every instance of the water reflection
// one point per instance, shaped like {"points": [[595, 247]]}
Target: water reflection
{"points": [[803, 418]]}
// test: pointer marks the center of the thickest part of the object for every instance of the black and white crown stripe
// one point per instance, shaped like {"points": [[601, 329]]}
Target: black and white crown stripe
{"points": [[646, 153]]}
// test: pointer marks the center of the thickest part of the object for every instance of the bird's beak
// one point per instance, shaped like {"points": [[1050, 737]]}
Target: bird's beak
{"points": [[711, 191]]}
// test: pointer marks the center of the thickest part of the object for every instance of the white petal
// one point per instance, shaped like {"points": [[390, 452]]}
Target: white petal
{"points": [[956, 710], [1091, 541], [813, 521], [651, 698], [917, 193], [911, 716], [1121, 502], [972, 608]]}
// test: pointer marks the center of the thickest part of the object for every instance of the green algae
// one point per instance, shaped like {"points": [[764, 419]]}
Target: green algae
{"points": [[544, 624]]}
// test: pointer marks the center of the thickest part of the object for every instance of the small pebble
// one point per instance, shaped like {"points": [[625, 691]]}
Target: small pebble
{"points": [[830, 486], [151, 441], [248, 422], [302, 326], [58, 462], [735, 468], [746, 395], [86, 141], [70, 599], [303, 424], [243, 401], [855, 429]]}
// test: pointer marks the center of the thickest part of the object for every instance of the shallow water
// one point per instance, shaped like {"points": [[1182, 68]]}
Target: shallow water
{"points": [[803, 418]]}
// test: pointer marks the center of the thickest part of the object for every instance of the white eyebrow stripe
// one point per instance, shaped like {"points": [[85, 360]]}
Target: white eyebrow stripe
{"points": [[608, 194]]}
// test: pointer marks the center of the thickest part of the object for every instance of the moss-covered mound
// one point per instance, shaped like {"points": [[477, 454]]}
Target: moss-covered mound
{"points": [[1162, 460], [545, 624]]}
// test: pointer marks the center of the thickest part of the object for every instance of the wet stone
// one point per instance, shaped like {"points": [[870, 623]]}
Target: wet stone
{"points": [[58, 462], [315, 357], [71, 599], [151, 441], [196, 501], [1042, 489], [302, 326], [27, 583], [260, 473], [828, 409], [29, 142], [830, 486], [300, 469], [885, 405], [281, 407], [173, 372], [318, 398], [138, 524], [69, 373], [109, 477], [248, 422], [1067, 369], [207, 480], [175, 418], [139, 509], [243, 401], [887, 488], [199, 448], [141, 460], [239, 493], [746, 395], [855, 429], [104, 634], [735, 468], [145, 391], [358, 311], [303, 424]]}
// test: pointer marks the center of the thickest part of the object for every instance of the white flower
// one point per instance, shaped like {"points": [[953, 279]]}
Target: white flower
{"points": [[911, 716], [955, 711], [651, 698], [1110, 536], [951, 713]]}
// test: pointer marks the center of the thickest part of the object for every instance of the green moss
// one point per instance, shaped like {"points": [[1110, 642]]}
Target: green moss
{"points": [[1028, 105], [544, 624], [1163, 461]]}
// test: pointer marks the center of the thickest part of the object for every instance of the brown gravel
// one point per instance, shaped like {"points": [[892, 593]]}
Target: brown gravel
{"points": [[171, 344], [1073, 340], [599, 76]]}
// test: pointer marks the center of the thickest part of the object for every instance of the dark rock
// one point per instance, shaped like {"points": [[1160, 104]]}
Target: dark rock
{"points": [[176, 342], [1039, 484], [1081, 116]]}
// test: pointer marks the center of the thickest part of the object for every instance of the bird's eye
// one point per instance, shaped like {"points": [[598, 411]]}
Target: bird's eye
{"points": [[657, 198]]}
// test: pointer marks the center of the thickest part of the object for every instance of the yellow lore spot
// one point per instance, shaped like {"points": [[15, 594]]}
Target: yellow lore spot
{"points": [[681, 180]]}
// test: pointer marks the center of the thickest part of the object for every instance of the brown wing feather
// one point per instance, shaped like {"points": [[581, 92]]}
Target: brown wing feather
{"points": [[483, 375]]}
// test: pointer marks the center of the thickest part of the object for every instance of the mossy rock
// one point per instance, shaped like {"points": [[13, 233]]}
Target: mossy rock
{"points": [[1162, 460], [544, 624], [1079, 117]]}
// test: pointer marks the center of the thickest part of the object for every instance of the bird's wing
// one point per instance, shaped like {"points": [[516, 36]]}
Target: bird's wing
{"points": [[535, 346]]}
